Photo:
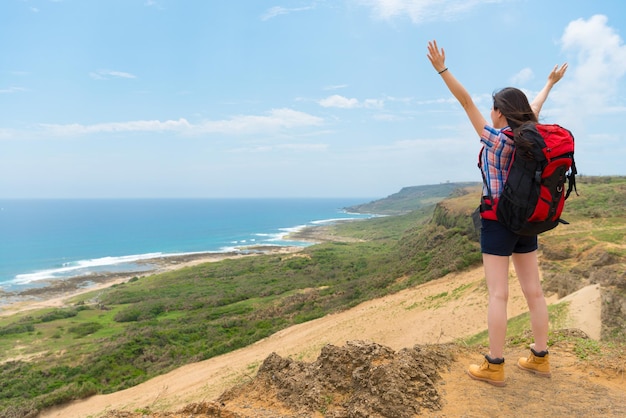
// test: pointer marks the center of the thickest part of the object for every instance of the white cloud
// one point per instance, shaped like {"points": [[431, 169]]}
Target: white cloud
{"points": [[105, 74], [11, 90], [6, 134], [273, 12], [447, 100], [131, 126], [422, 10], [522, 76], [387, 117], [593, 83], [339, 101], [425, 145], [277, 11], [121, 74], [405, 100], [336, 87], [373, 103], [153, 3], [275, 120], [282, 147], [345, 103]]}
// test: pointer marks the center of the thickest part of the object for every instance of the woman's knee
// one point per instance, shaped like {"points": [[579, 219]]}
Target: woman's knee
{"points": [[499, 294]]}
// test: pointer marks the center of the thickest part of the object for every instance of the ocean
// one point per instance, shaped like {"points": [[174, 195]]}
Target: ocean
{"points": [[45, 240]]}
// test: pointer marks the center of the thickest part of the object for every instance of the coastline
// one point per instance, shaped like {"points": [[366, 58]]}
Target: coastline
{"points": [[58, 292], [38, 269]]}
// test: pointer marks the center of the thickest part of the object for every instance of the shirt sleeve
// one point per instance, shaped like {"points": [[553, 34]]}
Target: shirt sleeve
{"points": [[490, 136], [495, 157]]}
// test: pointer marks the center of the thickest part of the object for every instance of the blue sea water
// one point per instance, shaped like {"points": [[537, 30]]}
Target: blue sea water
{"points": [[45, 240]]}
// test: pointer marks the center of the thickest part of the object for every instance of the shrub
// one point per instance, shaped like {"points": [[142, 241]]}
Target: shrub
{"points": [[84, 329], [16, 329], [58, 314], [130, 314]]}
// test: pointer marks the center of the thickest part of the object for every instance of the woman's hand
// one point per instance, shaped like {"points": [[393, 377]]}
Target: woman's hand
{"points": [[438, 58], [557, 73]]}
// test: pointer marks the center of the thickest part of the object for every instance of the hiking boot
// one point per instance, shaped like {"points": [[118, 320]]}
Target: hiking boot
{"points": [[491, 371], [536, 362]]}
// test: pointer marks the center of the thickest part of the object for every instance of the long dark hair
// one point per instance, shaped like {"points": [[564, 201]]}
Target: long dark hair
{"points": [[514, 106]]}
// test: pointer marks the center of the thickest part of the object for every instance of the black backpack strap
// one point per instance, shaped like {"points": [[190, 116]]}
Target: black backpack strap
{"points": [[571, 180], [482, 173], [485, 204]]}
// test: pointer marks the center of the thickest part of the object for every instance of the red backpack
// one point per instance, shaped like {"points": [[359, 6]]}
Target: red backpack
{"points": [[534, 192]]}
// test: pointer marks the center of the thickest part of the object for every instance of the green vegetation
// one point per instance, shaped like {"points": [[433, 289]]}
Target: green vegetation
{"points": [[585, 348], [114, 339], [599, 198], [110, 340], [384, 228], [518, 328], [411, 198]]}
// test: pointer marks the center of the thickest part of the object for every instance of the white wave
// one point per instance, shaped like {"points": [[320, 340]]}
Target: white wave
{"points": [[228, 249], [293, 229], [329, 221], [353, 218], [82, 265], [285, 232]]}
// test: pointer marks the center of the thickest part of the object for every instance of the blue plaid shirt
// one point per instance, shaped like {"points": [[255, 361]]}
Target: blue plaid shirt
{"points": [[495, 158]]}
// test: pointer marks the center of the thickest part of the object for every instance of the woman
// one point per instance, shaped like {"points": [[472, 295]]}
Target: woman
{"points": [[510, 110]]}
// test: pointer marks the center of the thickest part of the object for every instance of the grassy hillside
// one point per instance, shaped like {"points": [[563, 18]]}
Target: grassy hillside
{"points": [[113, 339], [411, 198], [592, 249]]}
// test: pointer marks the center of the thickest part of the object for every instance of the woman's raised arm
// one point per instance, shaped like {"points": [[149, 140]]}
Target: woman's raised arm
{"points": [[438, 60], [555, 75]]}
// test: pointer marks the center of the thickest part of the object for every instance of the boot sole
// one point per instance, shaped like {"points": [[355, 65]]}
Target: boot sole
{"points": [[536, 372], [491, 382]]}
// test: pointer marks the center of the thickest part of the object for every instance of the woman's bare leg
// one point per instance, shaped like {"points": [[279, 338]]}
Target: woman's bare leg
{"points": [[527, 269], [497, 277]]}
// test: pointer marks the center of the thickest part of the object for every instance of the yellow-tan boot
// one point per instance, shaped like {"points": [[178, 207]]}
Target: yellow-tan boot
{"points": [[491, 371], [536, 362]]}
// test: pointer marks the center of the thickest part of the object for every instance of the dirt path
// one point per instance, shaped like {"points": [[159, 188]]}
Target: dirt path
{"points": [[573, 391], [437, 312]]}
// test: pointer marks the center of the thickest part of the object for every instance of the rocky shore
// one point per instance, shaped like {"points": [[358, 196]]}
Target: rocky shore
{"points": [[52, 293]]}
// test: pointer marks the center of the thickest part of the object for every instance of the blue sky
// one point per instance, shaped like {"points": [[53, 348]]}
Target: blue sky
{"points": [[294, 98]]}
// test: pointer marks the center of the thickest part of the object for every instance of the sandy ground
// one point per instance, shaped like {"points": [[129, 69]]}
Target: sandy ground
{"points": [[440, 311], [585, 310]]}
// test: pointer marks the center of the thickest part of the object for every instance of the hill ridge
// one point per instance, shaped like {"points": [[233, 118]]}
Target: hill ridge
{"points": [[395, 321]]}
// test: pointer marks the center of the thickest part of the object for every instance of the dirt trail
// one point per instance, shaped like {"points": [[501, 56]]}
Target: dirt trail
{"points": [[437, 312]]}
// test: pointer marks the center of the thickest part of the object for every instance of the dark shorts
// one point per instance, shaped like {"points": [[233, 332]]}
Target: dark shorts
{"points": [[496, 239]]}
